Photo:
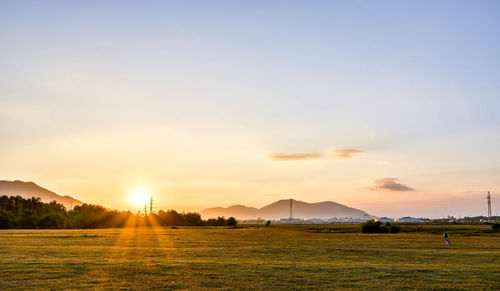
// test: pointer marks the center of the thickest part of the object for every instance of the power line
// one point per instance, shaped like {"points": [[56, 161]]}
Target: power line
{"points": [[488, 197]]}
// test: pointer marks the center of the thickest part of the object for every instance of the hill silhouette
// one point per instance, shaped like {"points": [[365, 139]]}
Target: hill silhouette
{"points": [[30, 189], [281, 209]]}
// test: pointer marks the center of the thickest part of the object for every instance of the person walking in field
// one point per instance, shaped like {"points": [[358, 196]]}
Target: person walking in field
{"points": [[446, 239]]}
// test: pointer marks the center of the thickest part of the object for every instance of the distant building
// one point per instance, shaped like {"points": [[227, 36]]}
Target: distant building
{"points": [[315, 221], [319, 220], [409, 220], [335, 220], [289, 220], [385, 219]]}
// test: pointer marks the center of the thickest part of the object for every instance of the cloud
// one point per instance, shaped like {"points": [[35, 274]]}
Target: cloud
{"points": [[389, 184], [294, 157], [345, 153], [341, 154]]}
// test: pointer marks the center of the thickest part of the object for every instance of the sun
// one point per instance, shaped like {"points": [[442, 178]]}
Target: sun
{"points": [[139, 197]]}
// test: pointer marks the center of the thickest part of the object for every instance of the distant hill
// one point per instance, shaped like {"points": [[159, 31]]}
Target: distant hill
{"points": [[237, 211], [30, 189], [281, 209]]}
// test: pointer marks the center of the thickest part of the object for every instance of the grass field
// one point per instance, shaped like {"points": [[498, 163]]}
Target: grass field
{"points": [[276, 257]]}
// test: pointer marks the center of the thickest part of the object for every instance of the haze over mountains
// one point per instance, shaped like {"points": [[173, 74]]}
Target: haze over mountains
{"points": [[281, 209], [30, 189], [276, 210]]}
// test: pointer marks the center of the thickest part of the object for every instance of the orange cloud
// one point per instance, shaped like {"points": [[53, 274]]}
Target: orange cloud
{"points": [[294, 157], [345, 153], [389, 184]]}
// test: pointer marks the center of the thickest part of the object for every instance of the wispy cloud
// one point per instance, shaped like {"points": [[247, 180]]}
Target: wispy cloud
{"points": [[346, 153], [389, 184], [294, 157], [340, 154]]}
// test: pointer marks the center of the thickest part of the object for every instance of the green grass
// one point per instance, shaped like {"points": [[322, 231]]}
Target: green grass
{"points": [[276, 257]]}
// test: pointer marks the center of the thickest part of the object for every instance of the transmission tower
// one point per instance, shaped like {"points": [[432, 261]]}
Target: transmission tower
{"points": [[488, 197], [151, 205], [291, 211], [145, 209]]}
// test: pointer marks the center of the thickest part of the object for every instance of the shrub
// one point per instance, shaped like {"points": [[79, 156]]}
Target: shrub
{"points": [[268, 223], [395, 229], [373, 226], [231, 221], [496, 226]]}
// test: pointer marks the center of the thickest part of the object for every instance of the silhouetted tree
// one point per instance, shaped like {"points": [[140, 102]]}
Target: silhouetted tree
{"points": [[231, 221], [193, 219], [221, 221], [170, 218], [373, 226], [16, 212], [211, 222], [6, 219], [51, 221], [394, 229]]}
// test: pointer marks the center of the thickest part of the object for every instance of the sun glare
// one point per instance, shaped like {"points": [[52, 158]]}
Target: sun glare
{"points": [[139, 197]]}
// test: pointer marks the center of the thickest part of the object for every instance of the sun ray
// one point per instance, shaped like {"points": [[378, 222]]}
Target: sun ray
{"points": [[159, 232]]}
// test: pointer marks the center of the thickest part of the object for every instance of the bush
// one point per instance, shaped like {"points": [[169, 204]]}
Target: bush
{"points": [[221, 221], [231, 221], [395, 229], [268, 223], [373, 226], [496, 227]]}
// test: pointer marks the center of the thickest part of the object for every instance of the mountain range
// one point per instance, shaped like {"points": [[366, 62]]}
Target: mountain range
{"points": [[276, 210], [30, 189], [281, 209]]}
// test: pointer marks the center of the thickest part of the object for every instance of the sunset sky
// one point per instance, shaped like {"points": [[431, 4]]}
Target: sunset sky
{"points": [[392, 107]]}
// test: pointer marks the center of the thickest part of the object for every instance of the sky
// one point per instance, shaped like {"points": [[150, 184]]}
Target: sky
{"points": [[391, 107]]}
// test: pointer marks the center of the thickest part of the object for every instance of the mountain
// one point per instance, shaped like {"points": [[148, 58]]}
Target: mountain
{"points": [[30, 189], [237, 211], [281, 209]]}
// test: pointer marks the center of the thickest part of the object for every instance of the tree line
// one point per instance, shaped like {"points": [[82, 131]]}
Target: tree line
{"points": [[372, 226], [17, 212]]}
